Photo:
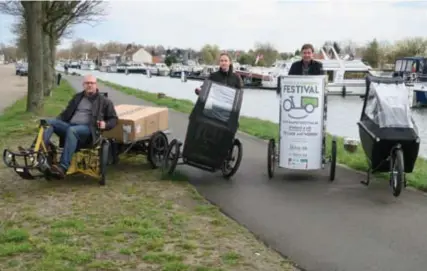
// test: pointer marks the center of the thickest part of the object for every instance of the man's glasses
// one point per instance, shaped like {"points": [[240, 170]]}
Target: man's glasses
{"points": [[89, 83]]}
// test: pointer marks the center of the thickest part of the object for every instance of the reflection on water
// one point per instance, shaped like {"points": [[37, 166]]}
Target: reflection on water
{"points": [[343, 113]]}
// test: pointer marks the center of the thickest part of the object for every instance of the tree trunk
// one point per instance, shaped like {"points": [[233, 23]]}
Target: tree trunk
{"points": [[33, 21], [52, 58], [47, 73]]}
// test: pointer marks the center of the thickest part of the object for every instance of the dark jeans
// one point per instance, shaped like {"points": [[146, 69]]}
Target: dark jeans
{"points": [[71, 133]]}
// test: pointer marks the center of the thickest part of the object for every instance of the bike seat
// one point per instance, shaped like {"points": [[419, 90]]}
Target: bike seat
{"points": [[86, 144]]}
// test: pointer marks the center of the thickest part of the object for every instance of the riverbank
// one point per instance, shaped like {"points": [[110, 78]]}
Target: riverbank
{"points": [[266, 130], [135, 222]]}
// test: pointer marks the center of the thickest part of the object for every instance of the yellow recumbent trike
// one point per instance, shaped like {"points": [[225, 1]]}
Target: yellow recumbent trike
{"points": [[89, 159]]}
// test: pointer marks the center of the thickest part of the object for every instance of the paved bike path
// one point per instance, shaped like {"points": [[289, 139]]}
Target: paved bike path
{"points": [[321, 226], [12, 87]]}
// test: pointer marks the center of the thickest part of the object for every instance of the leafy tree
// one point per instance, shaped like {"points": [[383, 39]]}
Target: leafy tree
{"points": [[246, 59], [285, 56], [269, 53], [411, 47], [371, 53], [210, 54], [170, 59]]}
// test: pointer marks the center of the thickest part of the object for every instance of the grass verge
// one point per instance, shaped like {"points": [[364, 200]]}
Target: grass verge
{"points": [[16, 122], [267, 129], [136, 222]]}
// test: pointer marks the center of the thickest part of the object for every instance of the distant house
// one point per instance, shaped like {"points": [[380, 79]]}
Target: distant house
{"points": [[158, 59], [2, 59], [128, 54], [142, 56], [106, 58]]}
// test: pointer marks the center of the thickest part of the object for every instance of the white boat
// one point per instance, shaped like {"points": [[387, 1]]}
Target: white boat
{"points": [[176, 70], [132, 67], [87, 65], [195, 68], [177, 67], [159, 69], [112, 68], [74, 65], [208, 69], [417, 91], [345, 76], [414, 73]]}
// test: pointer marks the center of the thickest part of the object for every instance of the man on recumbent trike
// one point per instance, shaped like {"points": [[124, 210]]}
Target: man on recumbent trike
{"points": [[86, 113]]}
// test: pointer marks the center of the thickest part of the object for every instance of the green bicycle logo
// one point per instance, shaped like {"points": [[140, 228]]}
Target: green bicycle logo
{"points": [[307, 104]]}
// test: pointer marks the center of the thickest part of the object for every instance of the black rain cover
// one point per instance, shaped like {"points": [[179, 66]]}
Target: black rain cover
{"points": [[213, 124]]}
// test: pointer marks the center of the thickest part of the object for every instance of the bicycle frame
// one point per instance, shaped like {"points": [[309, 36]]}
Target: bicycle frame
{"points": [[85, 160]]}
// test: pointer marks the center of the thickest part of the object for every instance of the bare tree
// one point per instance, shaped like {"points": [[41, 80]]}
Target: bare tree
{"points": [[80, 47], [115, 47], [61, 16], [12, 8], [64, 53], [21, 43], [10, 52], [58, 19], [34, 26], [15, 9]]}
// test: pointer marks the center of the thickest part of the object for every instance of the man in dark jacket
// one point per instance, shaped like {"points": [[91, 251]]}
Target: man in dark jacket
{"points": [[307, 66], [86, 111]]}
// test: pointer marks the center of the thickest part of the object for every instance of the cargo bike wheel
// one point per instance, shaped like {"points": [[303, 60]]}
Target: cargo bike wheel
{"points": [[157, 149], [233, 160], [104, 155], [333, 160], [397, 171], [271, 158], [171, 158]]}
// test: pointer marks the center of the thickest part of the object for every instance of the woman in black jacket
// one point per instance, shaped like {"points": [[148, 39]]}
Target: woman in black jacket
{"points": [[225, 75]]}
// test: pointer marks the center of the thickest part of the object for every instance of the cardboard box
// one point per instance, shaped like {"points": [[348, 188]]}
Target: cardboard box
{"points": [[136, 122]]}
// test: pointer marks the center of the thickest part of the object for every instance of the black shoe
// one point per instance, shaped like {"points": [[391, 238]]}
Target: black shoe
{"points": [[58, 170]]}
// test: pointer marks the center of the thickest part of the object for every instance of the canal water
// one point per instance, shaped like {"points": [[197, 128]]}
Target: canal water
{"points": [[343, 113]]}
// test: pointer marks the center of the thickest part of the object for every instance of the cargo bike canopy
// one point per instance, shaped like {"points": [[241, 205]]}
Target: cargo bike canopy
{"points": [[213, 125], [210, 142], [219, 103], [386, 103]]}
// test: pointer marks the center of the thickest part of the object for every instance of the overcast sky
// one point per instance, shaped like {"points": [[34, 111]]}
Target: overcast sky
{"points": [[240, 24]]}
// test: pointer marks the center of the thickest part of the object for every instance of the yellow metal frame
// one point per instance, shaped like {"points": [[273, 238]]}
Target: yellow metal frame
{"points": [[85, 161]]}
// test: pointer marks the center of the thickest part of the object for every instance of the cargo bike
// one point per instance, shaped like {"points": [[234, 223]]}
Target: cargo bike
{"points": [[210, 142], [388, 134], [302, 127], [141, 130], [90, 159]]}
